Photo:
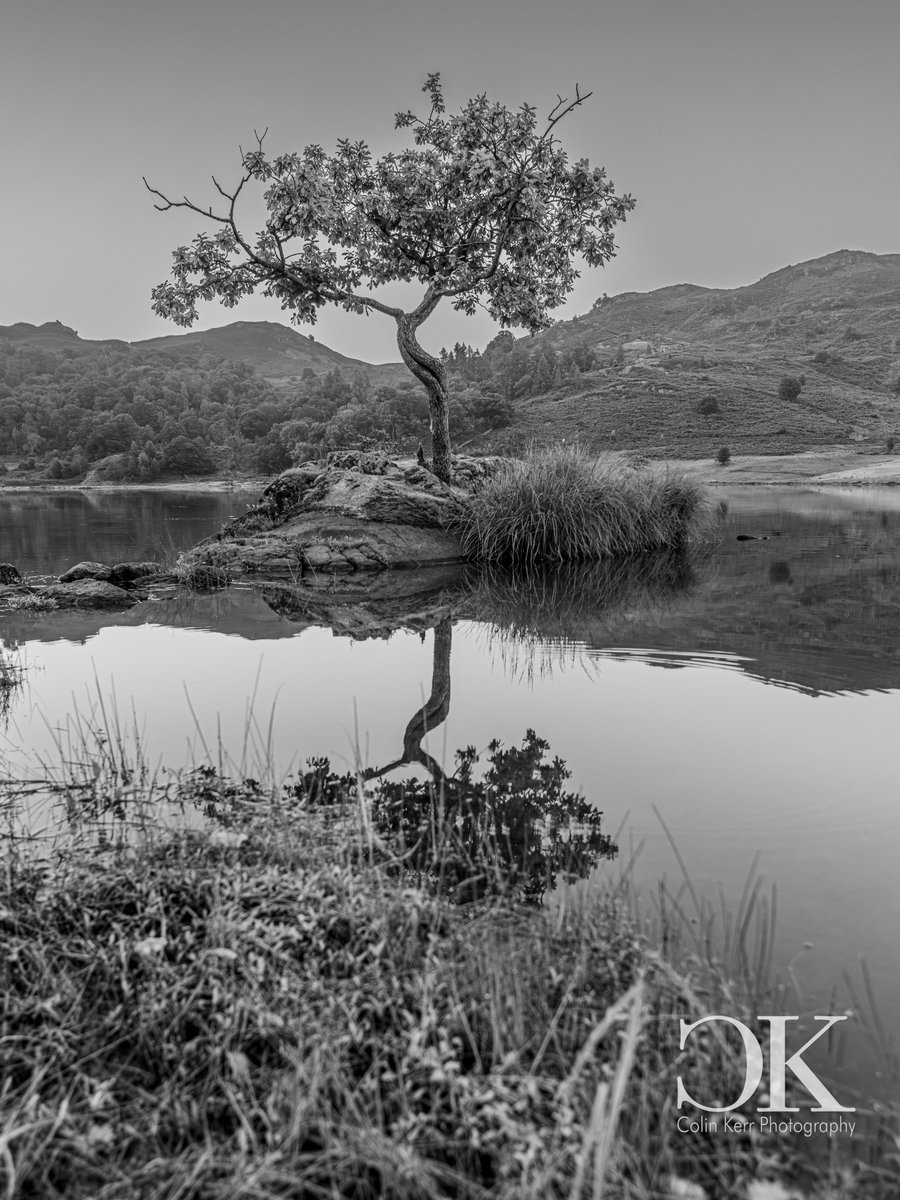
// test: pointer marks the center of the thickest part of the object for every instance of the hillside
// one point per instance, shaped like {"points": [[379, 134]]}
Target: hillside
{"points": [[833, 320]]}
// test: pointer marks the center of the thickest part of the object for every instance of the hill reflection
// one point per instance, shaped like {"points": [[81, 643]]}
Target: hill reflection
{"points": [[802, 591]]}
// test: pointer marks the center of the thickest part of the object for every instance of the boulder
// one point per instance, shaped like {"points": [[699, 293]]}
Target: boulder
{"points": [[87, 593], [360, 511], [9, 574], [87, 570], [125, 573]]}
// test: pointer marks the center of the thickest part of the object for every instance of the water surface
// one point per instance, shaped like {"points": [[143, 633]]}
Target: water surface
{"points": [[752, 698]]}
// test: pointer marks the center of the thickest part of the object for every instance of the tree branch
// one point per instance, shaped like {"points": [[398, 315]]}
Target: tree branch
{"points": [[184, 203], [563, 108]]}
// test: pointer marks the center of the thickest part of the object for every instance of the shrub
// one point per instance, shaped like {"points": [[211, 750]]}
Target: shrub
{"points": [[559, 504], [707, 406], [724, 456], [821, 356], [789, 388]]}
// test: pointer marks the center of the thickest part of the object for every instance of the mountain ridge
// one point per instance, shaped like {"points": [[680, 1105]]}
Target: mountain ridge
{"points": [[678, 371]]}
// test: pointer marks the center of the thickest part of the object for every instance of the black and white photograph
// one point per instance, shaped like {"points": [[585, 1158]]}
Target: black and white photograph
{"points": [[450, 600]]}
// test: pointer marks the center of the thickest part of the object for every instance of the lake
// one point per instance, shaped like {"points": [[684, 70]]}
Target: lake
{"points": [[749, 699]]}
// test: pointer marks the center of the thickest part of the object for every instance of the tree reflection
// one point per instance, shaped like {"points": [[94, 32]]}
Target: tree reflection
{"points": [[513, 829], [432, 713], [510, 828]]}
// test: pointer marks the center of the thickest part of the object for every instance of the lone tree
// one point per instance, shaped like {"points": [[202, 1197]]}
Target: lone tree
{"points": [[484, 209]]}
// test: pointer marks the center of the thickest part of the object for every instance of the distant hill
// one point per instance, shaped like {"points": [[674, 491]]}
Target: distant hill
{"points": [[54, 336], [279, 353], [834, 320]]}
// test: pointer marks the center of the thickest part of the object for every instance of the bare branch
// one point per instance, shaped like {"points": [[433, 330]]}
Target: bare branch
{"points": [[229, 196], [563, 108], [184, 202]]}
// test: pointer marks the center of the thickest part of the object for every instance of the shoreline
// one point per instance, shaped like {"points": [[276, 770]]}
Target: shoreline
{"points": [[170, 485], [829, 466]]}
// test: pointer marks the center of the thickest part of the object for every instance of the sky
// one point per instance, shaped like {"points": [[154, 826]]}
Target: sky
{"points": [[752, 135]]}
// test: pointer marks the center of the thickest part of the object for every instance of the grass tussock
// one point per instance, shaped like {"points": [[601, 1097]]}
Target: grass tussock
{"points": [[30, 602], [560, 504]]}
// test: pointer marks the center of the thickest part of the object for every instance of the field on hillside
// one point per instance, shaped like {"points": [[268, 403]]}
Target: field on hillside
{"points": [[686, 370]]}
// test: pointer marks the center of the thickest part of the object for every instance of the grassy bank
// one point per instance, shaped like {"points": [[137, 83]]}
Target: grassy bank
{"points": [[560, 504], [289, 1002]]}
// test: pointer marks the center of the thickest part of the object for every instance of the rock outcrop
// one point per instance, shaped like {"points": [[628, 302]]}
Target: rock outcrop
{"points": [[362, 511]]}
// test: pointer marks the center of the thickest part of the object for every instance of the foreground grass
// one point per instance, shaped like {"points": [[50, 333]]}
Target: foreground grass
{"points": [[276, 1007], [560, 504]]}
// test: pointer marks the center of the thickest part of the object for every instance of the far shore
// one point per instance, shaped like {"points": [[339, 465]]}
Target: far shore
{"points": [[826, 466], [254, 484]]}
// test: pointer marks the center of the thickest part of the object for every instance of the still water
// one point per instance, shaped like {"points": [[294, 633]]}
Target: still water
{"points": [[750, 699]]}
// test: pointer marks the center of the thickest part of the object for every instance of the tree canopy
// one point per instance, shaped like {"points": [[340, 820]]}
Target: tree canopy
{"points": [[484, 209]]}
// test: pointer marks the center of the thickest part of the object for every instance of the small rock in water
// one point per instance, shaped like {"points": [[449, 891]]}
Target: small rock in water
{"points": [[9, 573], [87, 570]]}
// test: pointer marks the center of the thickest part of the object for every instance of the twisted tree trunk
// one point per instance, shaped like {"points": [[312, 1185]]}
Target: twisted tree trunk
{"points": [[432, 373]]}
